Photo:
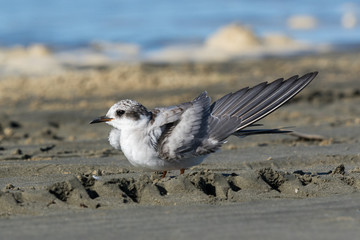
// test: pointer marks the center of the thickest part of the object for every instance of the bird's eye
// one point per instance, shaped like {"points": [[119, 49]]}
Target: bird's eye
{"points": [[119, 113]]}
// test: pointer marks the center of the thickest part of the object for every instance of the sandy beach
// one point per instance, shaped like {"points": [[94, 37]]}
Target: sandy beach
{"points": [[60, 178]]}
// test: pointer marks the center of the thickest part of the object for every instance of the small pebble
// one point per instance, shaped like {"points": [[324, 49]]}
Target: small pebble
{"points": [[96, 177]]}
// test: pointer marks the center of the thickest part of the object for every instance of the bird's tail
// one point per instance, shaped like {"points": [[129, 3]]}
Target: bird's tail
{"points": [[245, 133]]}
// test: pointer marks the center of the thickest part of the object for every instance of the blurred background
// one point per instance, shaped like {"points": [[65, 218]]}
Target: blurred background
{"points": [[99, 32]]}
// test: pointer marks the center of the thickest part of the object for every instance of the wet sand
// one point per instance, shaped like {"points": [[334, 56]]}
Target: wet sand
{"points": [[61, 179]]}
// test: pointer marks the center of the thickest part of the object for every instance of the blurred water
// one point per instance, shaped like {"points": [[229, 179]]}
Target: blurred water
{"points": [[154, 24]]}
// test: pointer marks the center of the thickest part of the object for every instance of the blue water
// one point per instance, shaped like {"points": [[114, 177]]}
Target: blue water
{"points": [[154, 24]]}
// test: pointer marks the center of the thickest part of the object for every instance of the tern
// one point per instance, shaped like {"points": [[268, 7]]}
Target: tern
{"points": [[182, 136]]}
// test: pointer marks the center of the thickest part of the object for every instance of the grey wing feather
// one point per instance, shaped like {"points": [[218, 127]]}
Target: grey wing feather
{"points": [[163, 120], [182, 135], [248, 105], [196, 128]]}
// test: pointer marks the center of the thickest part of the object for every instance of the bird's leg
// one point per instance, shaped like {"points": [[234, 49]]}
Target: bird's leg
{"points": [[164, 174], [182, 170]]}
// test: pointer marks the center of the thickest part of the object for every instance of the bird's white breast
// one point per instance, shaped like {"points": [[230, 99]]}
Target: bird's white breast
{"points": [[135, 144], [114, 138], [138, 150]]}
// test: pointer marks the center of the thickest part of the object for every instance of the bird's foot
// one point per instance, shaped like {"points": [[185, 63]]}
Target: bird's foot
{"points": [[163, 174], [182, 171]]}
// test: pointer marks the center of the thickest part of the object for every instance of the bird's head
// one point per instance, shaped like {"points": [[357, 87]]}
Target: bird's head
{"points": [[126, 113]]}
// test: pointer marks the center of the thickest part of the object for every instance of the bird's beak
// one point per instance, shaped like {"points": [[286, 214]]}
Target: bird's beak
{"points": [[101, 119]]}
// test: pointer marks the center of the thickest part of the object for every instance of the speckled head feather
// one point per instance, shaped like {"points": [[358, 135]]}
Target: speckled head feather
{"points": [[129, 109]]}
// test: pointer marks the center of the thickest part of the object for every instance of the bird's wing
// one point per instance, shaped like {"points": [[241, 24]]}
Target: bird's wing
{"points": [[235, 111], [177, 131]]}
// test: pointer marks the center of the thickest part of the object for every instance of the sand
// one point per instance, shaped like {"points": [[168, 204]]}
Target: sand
{"points": [[61, 179]]}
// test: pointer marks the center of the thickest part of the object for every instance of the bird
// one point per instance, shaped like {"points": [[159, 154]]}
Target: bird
{"points": [[181, 136]]}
